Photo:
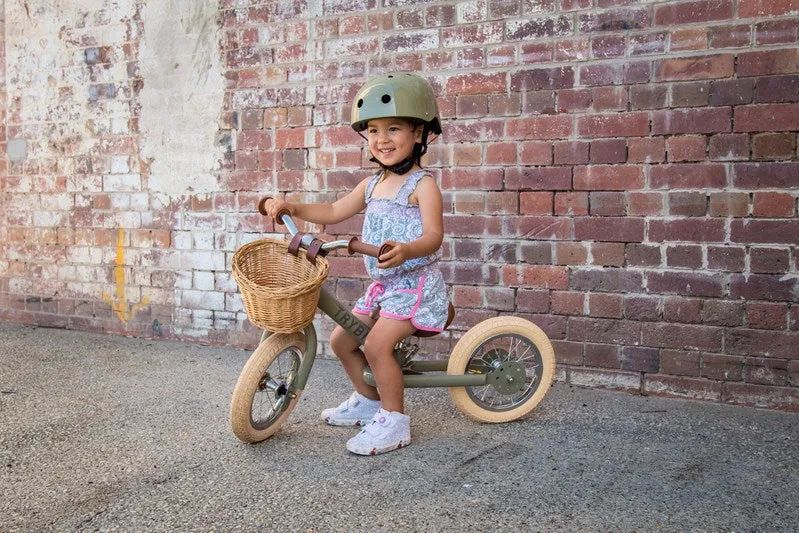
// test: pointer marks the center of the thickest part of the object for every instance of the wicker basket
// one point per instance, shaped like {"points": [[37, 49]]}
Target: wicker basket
{"points": [[280, 291]]}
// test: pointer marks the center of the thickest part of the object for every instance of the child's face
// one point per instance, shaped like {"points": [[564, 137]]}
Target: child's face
{"points": [[391, 140]]}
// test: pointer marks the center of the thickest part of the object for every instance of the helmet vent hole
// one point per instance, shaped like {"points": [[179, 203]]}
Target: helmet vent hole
{"points": [[386, 98], [360, 102]]}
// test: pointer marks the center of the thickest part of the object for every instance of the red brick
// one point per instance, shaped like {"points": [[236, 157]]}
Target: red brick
{"points": [[644, 308], [537, 227], [765, 175], [684, 256], [732, 92], [679, 362], [568, 353], [729, 204], [686, 148], [605, 305], [688, 203], [476, 83], [622, 229], [607, 253], [767, 117], [766, 371], [722, 367], [603, 330], [571, 203], [643, 255], [764, 63], [688, 39], [471, 105], [608, 151], [571, 100], [532, 301], [538, 178], [786, 398], [482, 179], [693, 11], [627, 18], [500, 154], [729, 147], [765, 231], [539, 127], [681, 387], [570, 253], [769, 260], [777, 89], [535, 203], [536, 153], [702, 120], [544, 276], [696, 68], [684, 310], [648, 96], [689, 175], [730, 36], [571, 152], [602, 355], [606, 280], [608, 177], [682, 336], [567, 303], [685, 283], [610, 99], [774, 205], [607, 204], [776, 31], [648, 44], [722, 313], [690, 94], [760, 315], [773, 146], [646, 150], [695, 230], [504, 105], [617, 125], [758, 8], [764, 287], [727, 258], [540, 79], [467, 155]]}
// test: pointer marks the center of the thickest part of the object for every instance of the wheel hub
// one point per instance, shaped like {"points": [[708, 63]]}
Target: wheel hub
{"points": [[508, 378]]}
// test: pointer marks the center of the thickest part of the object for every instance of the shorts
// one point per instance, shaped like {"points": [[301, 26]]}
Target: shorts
{"points": [[419, 296]]}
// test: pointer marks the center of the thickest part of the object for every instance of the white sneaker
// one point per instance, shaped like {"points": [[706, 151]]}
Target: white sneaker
{"points": [[388, 431], [357, 410]]}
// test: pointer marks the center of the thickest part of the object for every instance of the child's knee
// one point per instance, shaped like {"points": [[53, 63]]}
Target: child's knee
{"points": [[342, 342], [376, 348]]}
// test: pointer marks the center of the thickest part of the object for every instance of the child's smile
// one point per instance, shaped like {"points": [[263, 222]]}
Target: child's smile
{"points": [[392, 140]]}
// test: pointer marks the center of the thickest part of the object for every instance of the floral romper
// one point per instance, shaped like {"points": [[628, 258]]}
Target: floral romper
{"points": [[414, 290]]}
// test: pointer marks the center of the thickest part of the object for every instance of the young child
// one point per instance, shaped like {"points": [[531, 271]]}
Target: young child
{"points": [[403, 208]]}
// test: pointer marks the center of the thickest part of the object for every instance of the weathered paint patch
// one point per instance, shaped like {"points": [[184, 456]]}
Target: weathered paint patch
{"points": [[182, 95]]}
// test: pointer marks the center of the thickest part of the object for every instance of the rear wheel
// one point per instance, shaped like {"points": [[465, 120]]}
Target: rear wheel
{"points": [[518, 360], [264, 395]]}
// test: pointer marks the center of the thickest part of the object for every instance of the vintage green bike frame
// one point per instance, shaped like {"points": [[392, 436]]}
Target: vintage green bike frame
{"points": [[413, 375]]}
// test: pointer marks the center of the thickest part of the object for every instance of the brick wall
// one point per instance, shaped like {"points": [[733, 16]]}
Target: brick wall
{"points": [[624, 173]]}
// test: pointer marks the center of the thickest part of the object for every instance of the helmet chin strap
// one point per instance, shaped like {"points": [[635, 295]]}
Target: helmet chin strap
{"points": [[400, 168]]}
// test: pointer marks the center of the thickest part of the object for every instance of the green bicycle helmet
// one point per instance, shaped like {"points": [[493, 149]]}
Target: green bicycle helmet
{"points": [[401, 95]]}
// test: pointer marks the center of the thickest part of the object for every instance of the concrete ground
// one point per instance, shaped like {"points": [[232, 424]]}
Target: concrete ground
{"points": [[100, 432]]}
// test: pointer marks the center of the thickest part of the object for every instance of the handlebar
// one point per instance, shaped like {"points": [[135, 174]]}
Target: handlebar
{"points": [[352, 245]]}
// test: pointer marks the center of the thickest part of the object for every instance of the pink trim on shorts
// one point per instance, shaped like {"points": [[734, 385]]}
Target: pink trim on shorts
{"points": [[418, 291]]}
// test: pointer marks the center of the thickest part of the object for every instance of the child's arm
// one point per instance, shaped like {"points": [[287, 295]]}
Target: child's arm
{"points": [[338, 211], [431, 206]]}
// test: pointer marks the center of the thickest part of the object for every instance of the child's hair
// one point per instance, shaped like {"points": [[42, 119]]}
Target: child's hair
{"points": [[402, 95]]}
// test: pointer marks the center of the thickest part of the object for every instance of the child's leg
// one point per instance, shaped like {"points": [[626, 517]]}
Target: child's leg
{"points": [[348, 349], [379, 350]]}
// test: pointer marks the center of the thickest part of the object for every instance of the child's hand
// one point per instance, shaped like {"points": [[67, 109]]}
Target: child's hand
{"points": [[397, 255], [273, 207]]}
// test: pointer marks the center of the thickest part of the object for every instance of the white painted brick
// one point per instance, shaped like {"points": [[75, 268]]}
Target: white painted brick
{"points": [[119, 164], [233, 303], [182, 240], [203, 240], [122, 182], [203, 260], [203, 300], [204, 281]]}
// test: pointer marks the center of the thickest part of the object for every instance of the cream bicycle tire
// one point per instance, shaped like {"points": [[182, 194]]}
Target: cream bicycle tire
{"points": [[255, 379], [528, 335]]}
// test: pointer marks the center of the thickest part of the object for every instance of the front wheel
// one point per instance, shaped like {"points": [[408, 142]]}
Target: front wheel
{"points": [[264, 395], [520, 366]]}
